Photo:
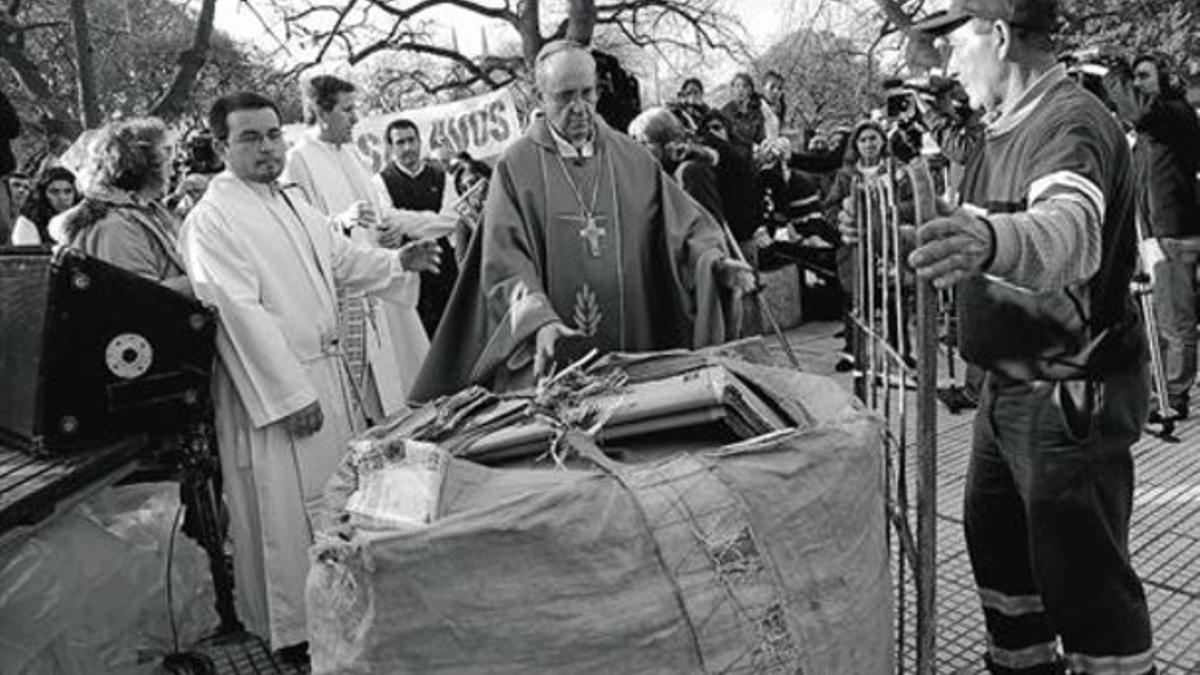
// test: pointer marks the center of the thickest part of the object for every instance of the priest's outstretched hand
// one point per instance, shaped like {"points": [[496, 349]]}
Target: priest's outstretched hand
{"points": [[546, 339], [735, 275], [358, 214], [423, 255], [305, 421]]}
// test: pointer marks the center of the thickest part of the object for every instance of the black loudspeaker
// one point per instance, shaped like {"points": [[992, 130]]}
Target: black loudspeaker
{"points": [[90, 352]]}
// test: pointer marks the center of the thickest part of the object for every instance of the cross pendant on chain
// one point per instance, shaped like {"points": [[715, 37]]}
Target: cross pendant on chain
{"points": [[591, 231]]}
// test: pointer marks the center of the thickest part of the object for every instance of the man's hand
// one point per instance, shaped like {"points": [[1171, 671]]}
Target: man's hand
{"points": [[545, 341], [359, 214], [953, 246], [305, 421], [423, 255], [735, 275], [1151, 254], [391, 236]]}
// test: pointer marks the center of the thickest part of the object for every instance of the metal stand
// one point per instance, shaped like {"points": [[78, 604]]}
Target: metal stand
{"points": [[198, 468]]}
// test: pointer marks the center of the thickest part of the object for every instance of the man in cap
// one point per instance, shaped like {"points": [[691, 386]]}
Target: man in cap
{"points": [[586, 243], [1041, 253]]}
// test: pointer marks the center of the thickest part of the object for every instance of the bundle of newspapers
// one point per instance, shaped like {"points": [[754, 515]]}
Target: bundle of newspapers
{"points": [[669, 513]]}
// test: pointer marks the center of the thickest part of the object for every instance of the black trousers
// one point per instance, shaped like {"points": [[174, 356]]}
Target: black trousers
{"points": [[1048, 500]]}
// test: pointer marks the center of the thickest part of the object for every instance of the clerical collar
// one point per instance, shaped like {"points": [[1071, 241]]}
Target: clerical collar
{"points": [[568, 151], [411, 174]]}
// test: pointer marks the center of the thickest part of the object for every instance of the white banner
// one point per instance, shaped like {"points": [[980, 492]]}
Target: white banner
{"points": [[483, 126]]}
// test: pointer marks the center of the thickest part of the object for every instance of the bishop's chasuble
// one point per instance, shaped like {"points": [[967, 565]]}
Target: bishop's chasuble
{"points": [[333, 177], [605, 243], [268, 262]]}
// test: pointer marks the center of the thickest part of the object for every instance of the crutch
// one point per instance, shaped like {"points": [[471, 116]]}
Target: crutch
{"points": [[1144, 290]]}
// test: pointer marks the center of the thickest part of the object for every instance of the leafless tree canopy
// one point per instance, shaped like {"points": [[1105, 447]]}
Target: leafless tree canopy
{"points": [[355, 30]]}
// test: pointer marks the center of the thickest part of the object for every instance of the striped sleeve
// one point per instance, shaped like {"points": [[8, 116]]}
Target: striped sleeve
{"points": [[1056, 241]]}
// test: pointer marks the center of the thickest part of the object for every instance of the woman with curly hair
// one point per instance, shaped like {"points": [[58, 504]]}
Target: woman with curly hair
{"points": [[54, 193], [121, 219]]}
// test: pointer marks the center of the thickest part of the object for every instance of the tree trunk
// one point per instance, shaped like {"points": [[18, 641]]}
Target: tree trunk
{"points": [[191, 62], [581, 20], [85, 73], [529, 25]]}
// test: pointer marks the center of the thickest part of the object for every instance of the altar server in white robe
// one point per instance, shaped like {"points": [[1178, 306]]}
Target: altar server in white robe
{"points": [[268, 262], [335, 178]]}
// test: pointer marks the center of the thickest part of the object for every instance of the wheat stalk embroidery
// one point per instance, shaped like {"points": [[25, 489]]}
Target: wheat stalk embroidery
{"points": [[587, 311]]}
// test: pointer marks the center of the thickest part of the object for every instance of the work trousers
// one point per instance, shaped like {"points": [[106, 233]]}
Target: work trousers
{"points": [[1175, 309], [1048, 500]]}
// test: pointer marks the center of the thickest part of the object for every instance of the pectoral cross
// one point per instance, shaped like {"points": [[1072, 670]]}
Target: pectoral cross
{"points": [[591, 231]]}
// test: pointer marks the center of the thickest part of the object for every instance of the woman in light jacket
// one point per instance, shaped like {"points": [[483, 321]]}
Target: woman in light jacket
{"points": [[121, 219]]}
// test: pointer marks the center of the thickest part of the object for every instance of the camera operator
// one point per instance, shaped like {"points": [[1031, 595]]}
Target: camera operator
{"points": [[1165, 157], [1042, 265]]}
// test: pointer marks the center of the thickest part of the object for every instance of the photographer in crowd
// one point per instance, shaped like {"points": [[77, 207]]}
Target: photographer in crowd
{"points": [[1041, 255], [1165, 154]]}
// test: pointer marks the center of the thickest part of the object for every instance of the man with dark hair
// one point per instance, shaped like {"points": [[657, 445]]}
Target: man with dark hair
{"points": [[586, 244], [270, 265], [384, 341], [324, 92], [1041, 253], [1165, 158], [412, 183]]}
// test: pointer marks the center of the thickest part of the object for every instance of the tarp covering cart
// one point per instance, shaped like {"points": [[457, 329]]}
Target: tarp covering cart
{"points": [[694, 547]]}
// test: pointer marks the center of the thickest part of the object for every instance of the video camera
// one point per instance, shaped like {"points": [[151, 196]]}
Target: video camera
{"points": [[201, 155], [904, 99]]}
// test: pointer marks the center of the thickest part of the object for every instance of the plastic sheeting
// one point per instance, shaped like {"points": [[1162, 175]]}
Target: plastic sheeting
{"points": [[86, 594], [764, 557]]}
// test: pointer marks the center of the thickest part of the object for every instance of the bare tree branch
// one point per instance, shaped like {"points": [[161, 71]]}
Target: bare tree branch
{"points": [[190, 62], [382, 26]]}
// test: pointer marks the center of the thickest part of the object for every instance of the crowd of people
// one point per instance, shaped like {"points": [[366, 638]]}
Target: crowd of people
{"points": [[345, 295]]}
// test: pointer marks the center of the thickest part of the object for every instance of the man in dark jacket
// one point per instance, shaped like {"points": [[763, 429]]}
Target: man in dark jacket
{"points": [[1165, 160]]}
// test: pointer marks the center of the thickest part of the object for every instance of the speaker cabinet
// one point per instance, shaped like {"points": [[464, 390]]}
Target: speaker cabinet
{"points": [[90, 352]]}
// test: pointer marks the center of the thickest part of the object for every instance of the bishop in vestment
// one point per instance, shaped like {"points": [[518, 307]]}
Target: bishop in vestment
{"points": [[269, 263], [584, 241]]}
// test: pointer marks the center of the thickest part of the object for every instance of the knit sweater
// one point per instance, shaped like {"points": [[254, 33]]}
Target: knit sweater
{"points": [[1056, 184]]}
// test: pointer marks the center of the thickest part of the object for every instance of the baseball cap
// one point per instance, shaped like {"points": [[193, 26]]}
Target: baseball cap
{"points": [[1041, 15]]}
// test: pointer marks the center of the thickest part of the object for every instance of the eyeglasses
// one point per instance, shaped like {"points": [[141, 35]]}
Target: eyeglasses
{"points": [[568, 96], [256, 139]]}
